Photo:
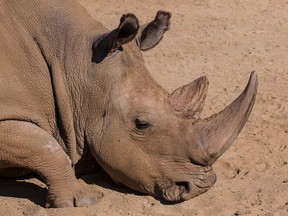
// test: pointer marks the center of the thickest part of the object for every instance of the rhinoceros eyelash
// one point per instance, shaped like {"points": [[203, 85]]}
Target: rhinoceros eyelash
{"points": [[140, 125]]}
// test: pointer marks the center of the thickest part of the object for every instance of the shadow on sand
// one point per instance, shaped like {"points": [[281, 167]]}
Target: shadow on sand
{"points": [[19, 188], [23, 188]]}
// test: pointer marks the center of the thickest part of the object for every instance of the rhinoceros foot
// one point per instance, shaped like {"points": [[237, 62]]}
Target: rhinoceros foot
{"points": [[74, 196]]}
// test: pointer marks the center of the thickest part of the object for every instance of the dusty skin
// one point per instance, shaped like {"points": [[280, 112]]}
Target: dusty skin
{"points": [[224, 41]]}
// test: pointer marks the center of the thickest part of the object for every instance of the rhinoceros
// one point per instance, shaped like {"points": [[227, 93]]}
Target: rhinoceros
{"points": [[74, 95]]}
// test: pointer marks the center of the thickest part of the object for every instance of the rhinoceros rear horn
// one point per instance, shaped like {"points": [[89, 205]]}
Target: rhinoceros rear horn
{"points": [[188, 101], [212, 136], [109, 42]]}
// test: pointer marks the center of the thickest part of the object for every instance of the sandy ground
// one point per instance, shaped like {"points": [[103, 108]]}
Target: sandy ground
{"points": [[224, 40]]}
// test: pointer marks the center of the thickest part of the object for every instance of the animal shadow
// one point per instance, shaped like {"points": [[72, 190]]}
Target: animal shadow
{"points": [[22, 188], [19, 188], [102, 179]]}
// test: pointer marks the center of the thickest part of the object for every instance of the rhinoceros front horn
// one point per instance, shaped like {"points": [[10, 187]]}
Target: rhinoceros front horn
{"points": [[209, 138]]}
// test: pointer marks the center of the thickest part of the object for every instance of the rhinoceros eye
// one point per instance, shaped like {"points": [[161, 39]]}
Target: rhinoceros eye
{"points": [[140, 125]]}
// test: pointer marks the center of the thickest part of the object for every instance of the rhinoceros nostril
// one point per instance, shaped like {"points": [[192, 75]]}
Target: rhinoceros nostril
{"points": [[183, 185]]}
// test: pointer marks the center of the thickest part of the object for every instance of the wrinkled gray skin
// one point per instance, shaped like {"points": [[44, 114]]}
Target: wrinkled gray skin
{"points": [[71, 90]]}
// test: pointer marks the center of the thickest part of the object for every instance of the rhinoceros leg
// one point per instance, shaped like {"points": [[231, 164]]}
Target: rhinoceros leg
{"points": [[26, 145]]}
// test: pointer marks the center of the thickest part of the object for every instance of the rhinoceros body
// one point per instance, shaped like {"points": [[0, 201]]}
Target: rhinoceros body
{"points": [[74, 95]]}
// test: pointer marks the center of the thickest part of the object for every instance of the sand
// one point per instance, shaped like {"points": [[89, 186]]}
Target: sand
{"points": [[224, 40]]}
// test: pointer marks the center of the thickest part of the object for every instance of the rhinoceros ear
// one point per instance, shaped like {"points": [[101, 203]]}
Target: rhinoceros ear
{"points": [[151, 33], [111, 41], [188, 101]]}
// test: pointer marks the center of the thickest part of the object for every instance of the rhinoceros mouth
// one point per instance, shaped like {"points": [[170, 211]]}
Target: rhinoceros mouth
{"points": [[183, 190], [172, 192]]}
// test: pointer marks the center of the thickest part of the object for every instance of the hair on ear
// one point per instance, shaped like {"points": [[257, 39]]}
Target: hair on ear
{"points": [[151, 33], [109, 42]]}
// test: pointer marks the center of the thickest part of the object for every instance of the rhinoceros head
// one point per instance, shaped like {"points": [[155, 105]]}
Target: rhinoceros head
{"points": [[144, 137]]}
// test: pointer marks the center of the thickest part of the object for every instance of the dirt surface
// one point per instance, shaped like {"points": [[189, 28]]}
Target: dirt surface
{"points": [[224, 40]]}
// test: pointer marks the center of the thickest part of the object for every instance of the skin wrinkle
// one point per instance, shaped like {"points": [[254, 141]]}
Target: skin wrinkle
{"points": [[159, 134]]}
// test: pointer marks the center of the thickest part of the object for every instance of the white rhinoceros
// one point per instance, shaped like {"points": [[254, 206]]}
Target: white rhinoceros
{"points": [[71, 90]]}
